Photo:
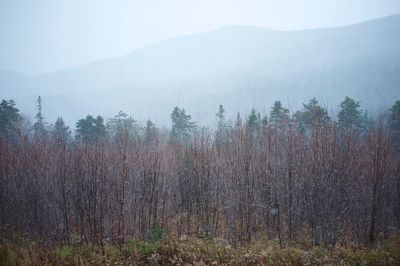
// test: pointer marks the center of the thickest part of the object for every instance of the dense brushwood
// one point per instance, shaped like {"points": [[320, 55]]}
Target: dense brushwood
{"points": [[282, 177]]}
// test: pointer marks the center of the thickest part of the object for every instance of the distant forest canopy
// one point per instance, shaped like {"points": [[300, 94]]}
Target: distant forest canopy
{"points": [[349, 115], [291, 177]]}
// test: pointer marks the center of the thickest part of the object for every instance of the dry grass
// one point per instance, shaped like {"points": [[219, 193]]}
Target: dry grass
{"points": [[195, 251]]}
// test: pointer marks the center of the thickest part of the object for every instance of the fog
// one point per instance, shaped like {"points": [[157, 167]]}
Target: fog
{"points": [[43, 36], [200, 132], [145, 58]]}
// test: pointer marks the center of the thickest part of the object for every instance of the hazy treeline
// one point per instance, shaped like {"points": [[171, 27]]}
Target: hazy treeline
{"points": [[282, 176]]}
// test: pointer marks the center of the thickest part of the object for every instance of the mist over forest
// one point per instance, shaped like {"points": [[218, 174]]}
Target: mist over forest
{"points": [[240, 67]]}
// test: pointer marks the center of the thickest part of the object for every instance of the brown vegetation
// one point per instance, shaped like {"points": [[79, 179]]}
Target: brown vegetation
{"points": [[313, 184]]}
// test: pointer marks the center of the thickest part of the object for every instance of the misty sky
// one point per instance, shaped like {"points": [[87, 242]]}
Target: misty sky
{"points": [[38, 36]]}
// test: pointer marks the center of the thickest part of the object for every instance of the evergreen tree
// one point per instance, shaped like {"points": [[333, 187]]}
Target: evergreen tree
{"points": [[299, 118], [278, 113], [60, 133], [91, 130], [122, 126], [253, 121], [312, 115], [350, 116], [223, 125], [221, 118], [149, 132], [181, 124], [9, 120], [39, 126]]}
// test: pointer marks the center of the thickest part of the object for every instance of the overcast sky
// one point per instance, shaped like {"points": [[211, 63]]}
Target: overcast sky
{"points": [[38, 36]]}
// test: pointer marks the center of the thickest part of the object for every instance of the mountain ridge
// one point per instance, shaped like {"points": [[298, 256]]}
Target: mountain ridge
{"points": [[220, 64], [390, 17]]}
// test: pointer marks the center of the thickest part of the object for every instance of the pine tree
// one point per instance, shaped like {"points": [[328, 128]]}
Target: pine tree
{"points": [[350, 116], [311, 115], [253, 121], [91, 130], [221, 118], [278, 113], [39, 126], [9, 120], [181, 124], [122, 126], [149, 132], [60, 133]]}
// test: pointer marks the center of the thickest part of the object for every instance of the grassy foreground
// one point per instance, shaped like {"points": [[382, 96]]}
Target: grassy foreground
{"points": [[195, 251]]}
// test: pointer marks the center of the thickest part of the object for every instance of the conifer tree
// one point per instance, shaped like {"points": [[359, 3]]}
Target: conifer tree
{"points": [[221, 118], [91, 130], [278, 113], [9, 120], [253, 121], [181, 124], [122, 126], [350, 116], [60, 132], [39, 127], [149, 132], [312, 115]]}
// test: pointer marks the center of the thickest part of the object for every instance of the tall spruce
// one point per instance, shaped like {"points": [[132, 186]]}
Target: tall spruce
{"points": [[9, 120], [61, 134], [253, 121], [39, 127], [221, 118], [150, 132], [182, 125]]}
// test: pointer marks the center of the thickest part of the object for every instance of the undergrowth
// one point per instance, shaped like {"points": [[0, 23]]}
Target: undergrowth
{"points": [[195, 251]]}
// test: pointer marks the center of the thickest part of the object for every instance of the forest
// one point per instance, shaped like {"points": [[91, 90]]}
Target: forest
{"points": [[304, 178]]}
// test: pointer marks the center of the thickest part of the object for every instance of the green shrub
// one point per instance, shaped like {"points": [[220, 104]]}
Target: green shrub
{"points": [[146, 249], [155, 234], [66, 253]]}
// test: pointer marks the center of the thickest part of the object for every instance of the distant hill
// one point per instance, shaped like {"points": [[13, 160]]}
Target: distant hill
{"points": [[238, 66]]}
